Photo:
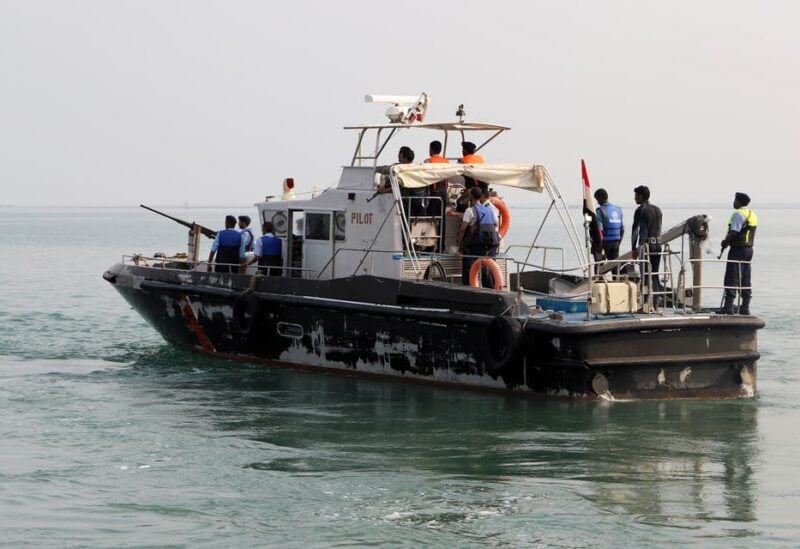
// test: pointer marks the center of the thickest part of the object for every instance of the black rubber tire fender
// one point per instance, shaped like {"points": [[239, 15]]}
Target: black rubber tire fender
{"points": [[247, 310], [435, 272], [501, 341]]}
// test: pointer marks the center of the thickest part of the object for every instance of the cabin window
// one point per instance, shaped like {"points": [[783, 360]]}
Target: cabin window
{"points": [[339, 222], [318, 226]]}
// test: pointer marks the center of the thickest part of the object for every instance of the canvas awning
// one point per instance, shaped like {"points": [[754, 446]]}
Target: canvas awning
{"points": [[523, 176]]}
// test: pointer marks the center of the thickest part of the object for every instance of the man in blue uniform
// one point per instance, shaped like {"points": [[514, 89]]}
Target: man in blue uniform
{"points": [[610, 217], [228, 247], [268, 252], [247, 233], [741, 233]]}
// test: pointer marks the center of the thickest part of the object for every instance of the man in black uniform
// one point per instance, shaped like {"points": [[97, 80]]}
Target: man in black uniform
{"points": [[646, 234]]}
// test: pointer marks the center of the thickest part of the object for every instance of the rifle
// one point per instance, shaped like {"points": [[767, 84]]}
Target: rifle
{"points": [[204, 230]]}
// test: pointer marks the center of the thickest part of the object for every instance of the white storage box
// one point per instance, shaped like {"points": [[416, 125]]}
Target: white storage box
{"points": [[614, 297]]}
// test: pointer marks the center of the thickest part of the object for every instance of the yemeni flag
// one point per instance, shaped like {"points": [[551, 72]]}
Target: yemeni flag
{"points": [[595, 232]]}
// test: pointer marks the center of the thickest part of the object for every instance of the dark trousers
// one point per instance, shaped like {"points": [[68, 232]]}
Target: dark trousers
{"points": [[476, 249], [611, 247], [271, 265], [611, 251], [466, 265], [738, 274], [227, 260], [655, 262], [415, 203]]}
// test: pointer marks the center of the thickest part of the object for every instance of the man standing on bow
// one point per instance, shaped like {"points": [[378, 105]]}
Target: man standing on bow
{"points": [[741, 232], [228, 247], [247, 233], [646, 235]]}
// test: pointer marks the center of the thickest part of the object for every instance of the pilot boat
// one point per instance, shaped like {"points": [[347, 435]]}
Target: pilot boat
{"points": [[369, 289]]}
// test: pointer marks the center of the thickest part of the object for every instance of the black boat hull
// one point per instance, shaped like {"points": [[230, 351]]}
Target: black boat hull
{"points": [[443, 334]]}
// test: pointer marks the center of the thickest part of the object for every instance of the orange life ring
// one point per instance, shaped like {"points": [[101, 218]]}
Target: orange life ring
{"points": [[505, 215], [494, 269]]}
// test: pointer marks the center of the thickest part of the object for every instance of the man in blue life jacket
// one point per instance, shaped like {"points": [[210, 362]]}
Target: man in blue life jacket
{"points": [[610, 217], [228, 246], [247, 233], [477, 235], [741, 233], [268, 252]]}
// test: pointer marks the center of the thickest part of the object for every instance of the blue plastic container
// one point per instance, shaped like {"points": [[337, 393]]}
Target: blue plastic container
{"points": [[561, 305]]}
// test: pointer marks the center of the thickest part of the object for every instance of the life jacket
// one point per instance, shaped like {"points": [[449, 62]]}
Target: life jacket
{"points": [[746, 236], [437, 159], [229, 242], [484, 229], [271, 246], [472, 159], [612, 221], [251, 243]]}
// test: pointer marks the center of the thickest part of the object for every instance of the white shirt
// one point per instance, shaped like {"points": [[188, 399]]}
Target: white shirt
{"points": [[247, 236]]}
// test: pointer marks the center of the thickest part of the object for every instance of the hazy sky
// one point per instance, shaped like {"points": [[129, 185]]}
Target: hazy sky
{"points": [[214, 103]]}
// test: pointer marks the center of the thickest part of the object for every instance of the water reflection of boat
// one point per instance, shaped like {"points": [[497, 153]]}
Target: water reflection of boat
{"points": [[368, 287], [679, 463]]}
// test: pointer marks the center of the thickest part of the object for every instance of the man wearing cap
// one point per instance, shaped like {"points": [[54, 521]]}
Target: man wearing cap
{"points": [[228, 246], [247, 233], [741, 233], [646, 235], [468, 156]]}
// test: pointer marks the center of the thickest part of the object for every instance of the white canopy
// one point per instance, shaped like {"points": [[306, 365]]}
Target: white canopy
{"points": [[524, 176]]}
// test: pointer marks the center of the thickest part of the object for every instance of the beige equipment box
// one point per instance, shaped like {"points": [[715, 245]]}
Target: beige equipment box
{"points": [[614, 297]]}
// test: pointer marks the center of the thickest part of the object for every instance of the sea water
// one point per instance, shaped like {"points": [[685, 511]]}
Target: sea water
{"points": [[109, 437]]}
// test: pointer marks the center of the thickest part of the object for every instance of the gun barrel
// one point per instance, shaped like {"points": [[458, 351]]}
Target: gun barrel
{"points": [[204, 230]]}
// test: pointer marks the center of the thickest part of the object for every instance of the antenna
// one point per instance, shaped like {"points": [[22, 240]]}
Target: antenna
{"points": [[461, 113]]}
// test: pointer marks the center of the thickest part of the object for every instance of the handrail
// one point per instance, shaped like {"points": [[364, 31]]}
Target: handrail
{"points": [[544, 255], [200, 266]]}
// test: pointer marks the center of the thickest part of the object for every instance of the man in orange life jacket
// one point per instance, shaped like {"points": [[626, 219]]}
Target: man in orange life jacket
{"points": [[435, 150], [439, 189], [469, 157], [228, 247]]}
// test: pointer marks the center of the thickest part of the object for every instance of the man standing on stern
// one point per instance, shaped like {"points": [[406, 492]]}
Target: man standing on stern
{"points": [[610, 217], [228, 247], [741, 232], [646, 235]]}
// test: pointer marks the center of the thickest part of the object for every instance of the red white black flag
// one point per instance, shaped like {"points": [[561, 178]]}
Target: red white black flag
{"points": [[595, 231]]}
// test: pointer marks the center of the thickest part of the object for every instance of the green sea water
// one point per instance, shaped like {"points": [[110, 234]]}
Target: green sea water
{"points": [[111, 438]]}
